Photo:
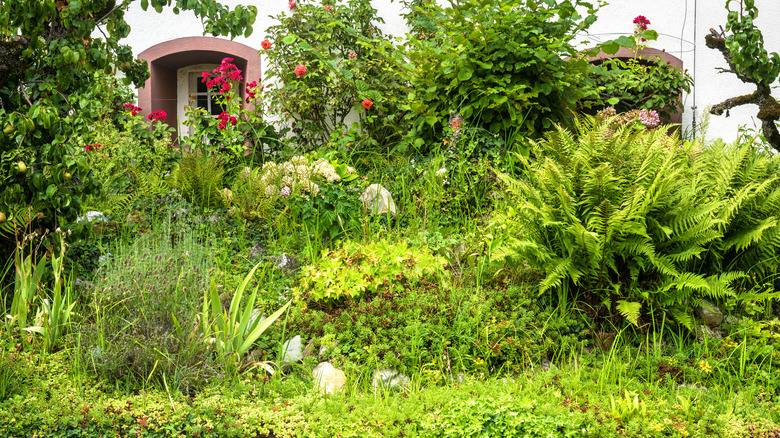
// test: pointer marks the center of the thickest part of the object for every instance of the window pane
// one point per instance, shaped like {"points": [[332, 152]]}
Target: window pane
{"points": [[216, 109], [203, 102], [201, 87]]}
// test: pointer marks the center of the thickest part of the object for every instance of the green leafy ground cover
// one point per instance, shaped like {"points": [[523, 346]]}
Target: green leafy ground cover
{"points": [[542, 274]]}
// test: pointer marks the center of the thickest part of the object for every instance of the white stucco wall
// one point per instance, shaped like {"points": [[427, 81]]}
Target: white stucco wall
{"points": [[673, 19]]}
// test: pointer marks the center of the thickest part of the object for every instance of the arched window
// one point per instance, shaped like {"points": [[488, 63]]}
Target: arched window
{"points": [[175, 70]]}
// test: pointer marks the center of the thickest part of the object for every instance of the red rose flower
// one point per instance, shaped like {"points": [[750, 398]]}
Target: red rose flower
{"points": [[300, 70], [265, 44], [367, 103]]}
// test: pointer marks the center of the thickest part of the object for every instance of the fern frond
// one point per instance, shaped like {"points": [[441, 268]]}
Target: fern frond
{"points": [[720, 284], [629, 310]]}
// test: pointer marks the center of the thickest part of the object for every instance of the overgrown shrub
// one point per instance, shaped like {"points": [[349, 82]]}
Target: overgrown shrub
{"points": [[330, 60], [503, 66], [127, 166], [145, 301]]}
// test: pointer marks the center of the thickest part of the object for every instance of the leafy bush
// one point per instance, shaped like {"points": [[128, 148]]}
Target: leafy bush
{"points": [[357, 270], [639, 83], [503, 66], [346, 64], [126, 165], [315, 194], [625, 218]]}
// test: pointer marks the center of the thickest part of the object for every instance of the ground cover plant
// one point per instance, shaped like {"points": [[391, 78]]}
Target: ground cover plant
{"points": [[549, 275]]}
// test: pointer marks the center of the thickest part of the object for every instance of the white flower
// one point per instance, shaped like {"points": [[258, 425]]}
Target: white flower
{"points": [[441, 171]]}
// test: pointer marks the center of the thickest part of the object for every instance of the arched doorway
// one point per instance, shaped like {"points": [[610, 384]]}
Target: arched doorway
{"points": [[172, 64]]}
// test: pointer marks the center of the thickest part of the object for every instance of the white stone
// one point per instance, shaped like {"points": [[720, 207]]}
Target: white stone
{"points": [[328, 378], [377, 200], [92, 216], [293, 350]]}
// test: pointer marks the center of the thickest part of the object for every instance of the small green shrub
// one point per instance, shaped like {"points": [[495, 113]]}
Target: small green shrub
{"points": [[349, 67], [357, 270], [198, 177]]}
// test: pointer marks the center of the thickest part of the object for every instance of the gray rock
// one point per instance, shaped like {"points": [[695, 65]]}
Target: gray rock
{"points": [[285, 262], [709, 314], [293, 350], [377, 200], [256, 250], [706, 332], [389, 378], [328, 378], [695, 386]]}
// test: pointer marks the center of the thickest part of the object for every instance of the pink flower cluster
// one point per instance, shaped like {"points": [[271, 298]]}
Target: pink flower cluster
{"points": [[649, 118], [641, 22], [93, 147], [221, 76], [641, 25], [132, 108], [291, 4], [158, 115], [300, 70], [251, 90], [224, 118]]}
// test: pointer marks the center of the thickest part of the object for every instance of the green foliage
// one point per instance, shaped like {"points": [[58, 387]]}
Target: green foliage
{"points": [[747, 58], [316, 195], [746, 181], [503, 416], [640, 83], [746, 44], [51, 93], [502, 65], [629, 216], [127, 166], [144, 301], [347, 60], [198, 177], [234, 331], [246, 195], [357, 270]]}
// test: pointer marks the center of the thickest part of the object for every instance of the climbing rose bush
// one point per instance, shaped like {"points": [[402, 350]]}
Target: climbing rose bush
{"points": [[236, 127]]}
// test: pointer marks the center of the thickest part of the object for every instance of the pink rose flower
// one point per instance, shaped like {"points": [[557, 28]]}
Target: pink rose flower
{"points": [[300, 70]]}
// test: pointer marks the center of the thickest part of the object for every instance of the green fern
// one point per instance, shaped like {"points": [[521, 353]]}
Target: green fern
{"points": [[198, 177], [608, 210]]}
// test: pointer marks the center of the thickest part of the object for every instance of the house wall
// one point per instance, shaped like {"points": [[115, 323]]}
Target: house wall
{"points": [[682, 25]]}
